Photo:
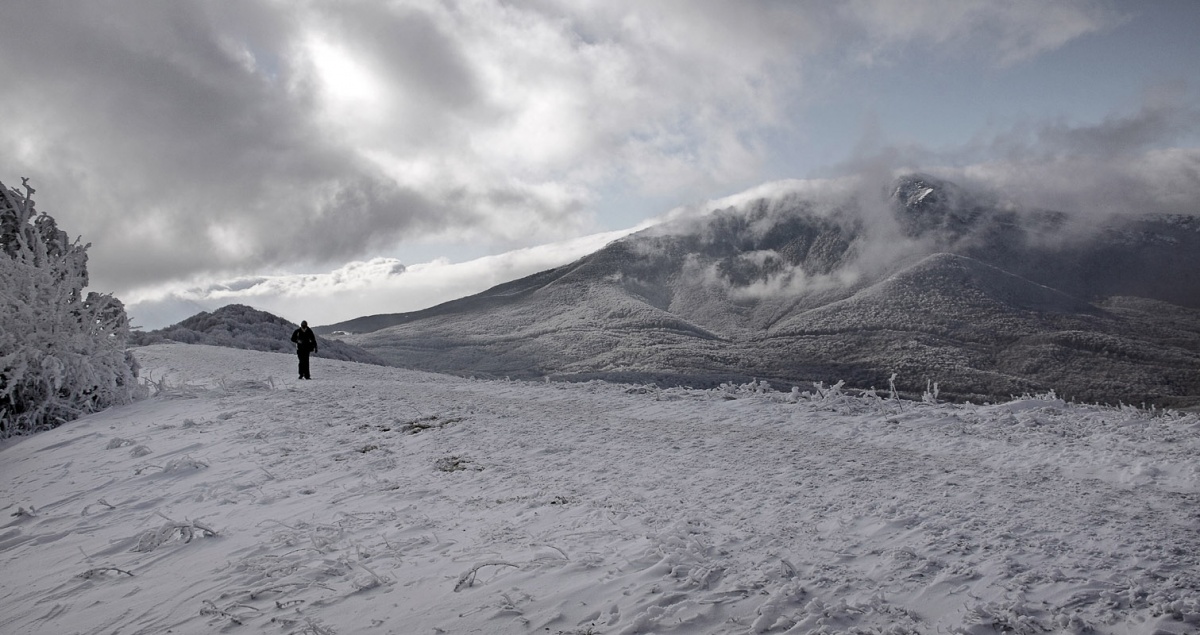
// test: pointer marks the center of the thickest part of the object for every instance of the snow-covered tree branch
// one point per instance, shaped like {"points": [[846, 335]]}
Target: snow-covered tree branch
{"points": [[62, 352]]}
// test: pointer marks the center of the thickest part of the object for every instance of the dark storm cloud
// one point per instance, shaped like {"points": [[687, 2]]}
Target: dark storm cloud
{"points": [[192, 116]]}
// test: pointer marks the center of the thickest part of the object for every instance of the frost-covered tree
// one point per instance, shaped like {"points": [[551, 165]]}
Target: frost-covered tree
{"points": [[62, 353]]}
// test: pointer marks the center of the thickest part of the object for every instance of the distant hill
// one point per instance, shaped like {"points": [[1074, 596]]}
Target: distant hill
{"points": [[240, 326], [932, 282]]}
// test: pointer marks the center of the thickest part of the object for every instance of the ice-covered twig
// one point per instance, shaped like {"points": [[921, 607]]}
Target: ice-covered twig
{"points": [[564, 554], [931, 392], [212, 609], [468, 578], [380, 580], [91, 573], [275, 588], [99, 502], [173, 465]]}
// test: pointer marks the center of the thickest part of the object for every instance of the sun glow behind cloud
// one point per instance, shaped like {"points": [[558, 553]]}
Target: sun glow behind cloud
{"points": [[351, 93]]}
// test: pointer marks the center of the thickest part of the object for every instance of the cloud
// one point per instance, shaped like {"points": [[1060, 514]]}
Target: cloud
{"points": [[791, 282], [1125, 164], [186, 151], [1165, 117], [223, 138], [379, 285], [1005, 33], [1161, 181], [1130, 163]]}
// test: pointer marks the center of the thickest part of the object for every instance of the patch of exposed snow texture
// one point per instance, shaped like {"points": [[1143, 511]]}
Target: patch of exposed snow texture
{"points": [[381, 500]]}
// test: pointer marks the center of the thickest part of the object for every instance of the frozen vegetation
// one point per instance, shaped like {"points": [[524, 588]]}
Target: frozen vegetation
{"points": [[62, 350], [381, 500]]}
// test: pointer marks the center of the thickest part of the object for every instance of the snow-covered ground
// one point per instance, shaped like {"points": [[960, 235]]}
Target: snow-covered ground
{"points": [[378, 500]]}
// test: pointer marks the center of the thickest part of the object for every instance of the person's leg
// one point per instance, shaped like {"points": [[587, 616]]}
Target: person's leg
{"points": [[304, 367]]}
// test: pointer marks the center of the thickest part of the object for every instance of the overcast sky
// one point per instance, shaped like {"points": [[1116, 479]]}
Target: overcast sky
{"points": [[330, 159]]}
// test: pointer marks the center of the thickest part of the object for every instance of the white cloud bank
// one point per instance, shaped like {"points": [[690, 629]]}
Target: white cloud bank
{"points": [[380, 285]]}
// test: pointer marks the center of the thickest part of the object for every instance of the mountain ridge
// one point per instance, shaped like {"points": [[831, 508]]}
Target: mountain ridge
{"points": [[955, 285], [242, 326]]}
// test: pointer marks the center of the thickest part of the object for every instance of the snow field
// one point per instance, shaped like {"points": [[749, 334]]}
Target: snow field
{"points": [[378, 500]]}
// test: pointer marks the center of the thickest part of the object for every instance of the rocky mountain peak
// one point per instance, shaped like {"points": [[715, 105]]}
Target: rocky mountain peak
{"points": [[926, 206]]}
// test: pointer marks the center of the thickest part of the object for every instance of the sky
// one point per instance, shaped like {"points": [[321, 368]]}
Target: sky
{"points": [[326, 160]]}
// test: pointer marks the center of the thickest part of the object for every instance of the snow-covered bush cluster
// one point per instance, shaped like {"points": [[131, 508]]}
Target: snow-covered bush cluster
{"points": [[62, 351]]}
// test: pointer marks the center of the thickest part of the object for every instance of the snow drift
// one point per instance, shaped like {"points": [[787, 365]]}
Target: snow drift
{"points": [[375, 499]]}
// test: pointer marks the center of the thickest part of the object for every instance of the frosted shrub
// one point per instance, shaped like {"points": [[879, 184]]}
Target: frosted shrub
{"points": [[832, 392], [755, 387], [931, 392], [62, 352], [152, 539]]}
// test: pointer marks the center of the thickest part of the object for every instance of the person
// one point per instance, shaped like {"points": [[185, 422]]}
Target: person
{"points": [[306, 342]]}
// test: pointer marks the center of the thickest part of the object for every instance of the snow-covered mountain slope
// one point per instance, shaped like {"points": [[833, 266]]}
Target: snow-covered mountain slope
{"points": [[938, 284], [380, 500], [241, 326], [988, 331]]}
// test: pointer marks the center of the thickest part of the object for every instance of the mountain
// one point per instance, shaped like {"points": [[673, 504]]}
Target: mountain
{"points": [[931, 281], [240, 326]]}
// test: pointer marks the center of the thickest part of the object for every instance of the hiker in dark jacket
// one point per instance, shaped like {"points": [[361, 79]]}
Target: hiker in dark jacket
{"points": [[306, 342]]}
